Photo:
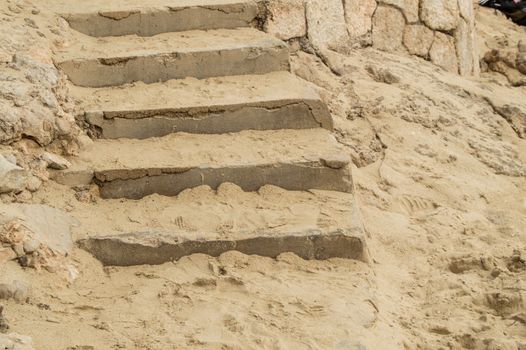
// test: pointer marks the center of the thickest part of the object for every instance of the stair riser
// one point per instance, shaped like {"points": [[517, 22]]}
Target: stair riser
{"points": [[115, 252], [288, 176], [148, 22], [145, 124], [162, 67]]}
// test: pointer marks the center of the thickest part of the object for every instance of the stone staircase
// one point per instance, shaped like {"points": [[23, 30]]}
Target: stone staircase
{"points": [[187, 95]]}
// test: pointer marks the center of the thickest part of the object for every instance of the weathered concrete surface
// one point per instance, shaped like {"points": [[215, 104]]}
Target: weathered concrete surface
{"points": [[291, 159], [200, 54], [148, 21], [218, 105], [153, 248], [309, 242]]}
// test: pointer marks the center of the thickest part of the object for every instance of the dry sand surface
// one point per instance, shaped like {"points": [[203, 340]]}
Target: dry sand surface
{"points": [[440, 179]]}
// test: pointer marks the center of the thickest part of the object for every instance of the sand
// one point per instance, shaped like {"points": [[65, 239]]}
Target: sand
{"points": [[440, 180]]}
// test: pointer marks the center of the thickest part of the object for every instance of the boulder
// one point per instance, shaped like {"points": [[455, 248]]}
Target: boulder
{"points": [[388, 28], [418, 39], [12, 177], [326, 24], [358, 15], [464, 48], [440, 14], [443, 53], [286, 19]]}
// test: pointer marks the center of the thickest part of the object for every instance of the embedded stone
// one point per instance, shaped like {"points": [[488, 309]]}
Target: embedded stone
{"points": [[440, 14], [326, 24], [388, 28], [358, 15], [443, 53], [418, 39], [286, 19], [464, 48]]}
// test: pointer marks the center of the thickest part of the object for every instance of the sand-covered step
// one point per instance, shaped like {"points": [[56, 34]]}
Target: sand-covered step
{"points": [[156, 229], [147, 18], [291, 159], [272, 101], [98, 62]]}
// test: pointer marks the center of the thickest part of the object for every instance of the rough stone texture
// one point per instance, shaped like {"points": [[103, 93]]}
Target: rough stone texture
{"points": [[358, 15], [388, 28], [464, 48], [326, 24], [418, 39], [443, 53], [46, 225], [440, 14], [12, 177], [231, 104], [55, 161], [286, 19], [408, 7], [466, 10]]}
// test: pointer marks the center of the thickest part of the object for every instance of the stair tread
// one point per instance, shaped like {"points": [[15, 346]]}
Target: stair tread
{"points": [[218, 221], [183, 94], [122, 47], [69, 6], [186, 151]]}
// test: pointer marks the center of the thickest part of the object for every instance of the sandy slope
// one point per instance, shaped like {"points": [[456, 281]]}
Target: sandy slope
{"points": [[441, 184]]}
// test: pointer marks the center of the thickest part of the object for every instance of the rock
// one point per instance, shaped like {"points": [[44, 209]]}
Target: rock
{"points": [[38, 122], [336, 162], [15, 341], [10, 123], [18, 249], [443, 52], [418, 39], [55, 161], [33, 183], [6, 254], [286, 19], [440, 14], [409, 8], [388, 28], [382, 75], [521, 46], [358, 15], [326, 25], [48, 226], [31, 246], [464, 48], [466, 10], [4, 326], [12, 177]]}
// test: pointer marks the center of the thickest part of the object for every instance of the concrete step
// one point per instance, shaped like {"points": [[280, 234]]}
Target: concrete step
{"points": [[156, 229], [272, 101], [147, 18], [291, 159], [98, 62]]}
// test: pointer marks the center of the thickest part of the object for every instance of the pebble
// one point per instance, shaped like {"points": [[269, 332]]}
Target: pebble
{"points": [[31, 246]]}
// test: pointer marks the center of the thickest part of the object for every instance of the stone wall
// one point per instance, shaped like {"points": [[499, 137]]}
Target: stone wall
{"points": [[441, 31]]}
